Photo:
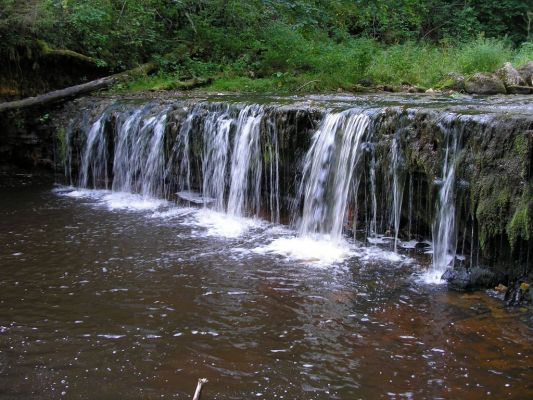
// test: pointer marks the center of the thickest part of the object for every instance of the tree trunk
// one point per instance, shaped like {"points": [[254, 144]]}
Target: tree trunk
{"points": [[58, 96]]}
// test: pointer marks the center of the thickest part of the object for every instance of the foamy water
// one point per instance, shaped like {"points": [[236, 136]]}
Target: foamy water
{"points": [[431, 277], [312, 250], [319, 250], [128, 201], [112, 200], [223, 225]]}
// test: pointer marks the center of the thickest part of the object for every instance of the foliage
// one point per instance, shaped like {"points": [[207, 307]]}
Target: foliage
{"points": [[335, 43], [482, 55]]}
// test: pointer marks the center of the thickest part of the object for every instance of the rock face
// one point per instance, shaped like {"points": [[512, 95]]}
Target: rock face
{"points": [[510, 76], [526, 73], [485, 83]]}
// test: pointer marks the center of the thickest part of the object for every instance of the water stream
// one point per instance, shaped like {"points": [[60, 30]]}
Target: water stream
{"points": [[103, 296], [260, 245]]}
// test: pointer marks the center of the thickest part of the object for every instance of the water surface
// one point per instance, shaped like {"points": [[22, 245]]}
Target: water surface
{"points": [[110, 296]]}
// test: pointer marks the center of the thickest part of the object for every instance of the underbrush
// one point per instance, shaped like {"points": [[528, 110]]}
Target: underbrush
{"points": [[289, 62]]}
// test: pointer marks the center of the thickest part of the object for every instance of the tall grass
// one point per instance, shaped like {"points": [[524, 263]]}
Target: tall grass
{"points": [[286, 61], [482, 55]]}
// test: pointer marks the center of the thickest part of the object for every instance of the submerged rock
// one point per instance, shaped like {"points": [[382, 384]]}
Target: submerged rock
{"points": [[474, 279], [484, 83]]}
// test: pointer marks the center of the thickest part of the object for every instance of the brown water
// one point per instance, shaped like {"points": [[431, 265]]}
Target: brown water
{"points": [[99, 302]]}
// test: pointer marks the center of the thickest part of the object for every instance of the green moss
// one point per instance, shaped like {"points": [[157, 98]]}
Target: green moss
{"points": [[46, 50], [521, 224], [493, 201], [61, 138], [521, 145]]}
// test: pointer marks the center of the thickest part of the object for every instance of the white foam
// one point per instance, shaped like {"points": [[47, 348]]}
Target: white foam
{"points": [[318, 250], [379, 239], [224, 225], [411, 244], [432, 277], [79, 193], [129, 201], [372, 253], [174, 212], [112, 200]]}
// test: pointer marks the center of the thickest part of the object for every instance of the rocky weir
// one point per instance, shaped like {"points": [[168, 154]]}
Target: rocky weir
{"points": [[451, 178]]}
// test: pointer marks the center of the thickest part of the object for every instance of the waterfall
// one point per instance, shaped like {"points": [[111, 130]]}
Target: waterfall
{"points": [[246, 163], [138, 162], [214, 157], [374, 203], [180, 155], [94, 156], [328, 169], [443, 229], [272, 165], [216, 130], [397, 188]]}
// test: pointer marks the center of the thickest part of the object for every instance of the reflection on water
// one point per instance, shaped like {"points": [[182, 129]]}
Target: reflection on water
{"points": [[105, 296]]}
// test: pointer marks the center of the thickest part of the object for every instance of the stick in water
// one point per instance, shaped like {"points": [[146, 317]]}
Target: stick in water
{"points": [[198, 391]]}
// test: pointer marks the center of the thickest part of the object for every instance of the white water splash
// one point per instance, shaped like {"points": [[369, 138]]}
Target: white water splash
{"points": [[317, 251], [223, 225]]}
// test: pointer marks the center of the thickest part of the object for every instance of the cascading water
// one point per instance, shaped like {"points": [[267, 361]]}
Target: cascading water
{"points": [[246, 163], [241, 160], [373, 228], [397, 188], [272, 165], [328, 170], [180, 156], [231, 156], [94, 156], [138, 162], [444, 240], [216, 131]]}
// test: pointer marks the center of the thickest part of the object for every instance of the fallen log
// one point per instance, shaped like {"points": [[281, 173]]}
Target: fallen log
{"points": [[64, 54], [71, 92], [190, 84]]}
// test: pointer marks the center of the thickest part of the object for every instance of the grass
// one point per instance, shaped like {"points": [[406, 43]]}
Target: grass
{"points": [[292, 63]]}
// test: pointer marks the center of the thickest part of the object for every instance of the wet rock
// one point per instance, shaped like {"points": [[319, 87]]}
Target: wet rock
{"points": [[360, 88], [484, 83], [416, 89], [501, 288], [519, 293], [519, 90], [389, 88], [465, 280], [526, 72], [453, 81], [510, 76]]}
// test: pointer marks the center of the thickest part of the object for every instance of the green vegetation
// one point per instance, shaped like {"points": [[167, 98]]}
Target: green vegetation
{"points": [[61, 138], [276, 45]]}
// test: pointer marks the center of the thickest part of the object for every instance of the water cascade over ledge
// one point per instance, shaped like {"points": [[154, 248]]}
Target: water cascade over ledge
{"points": [[399, 177]]}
